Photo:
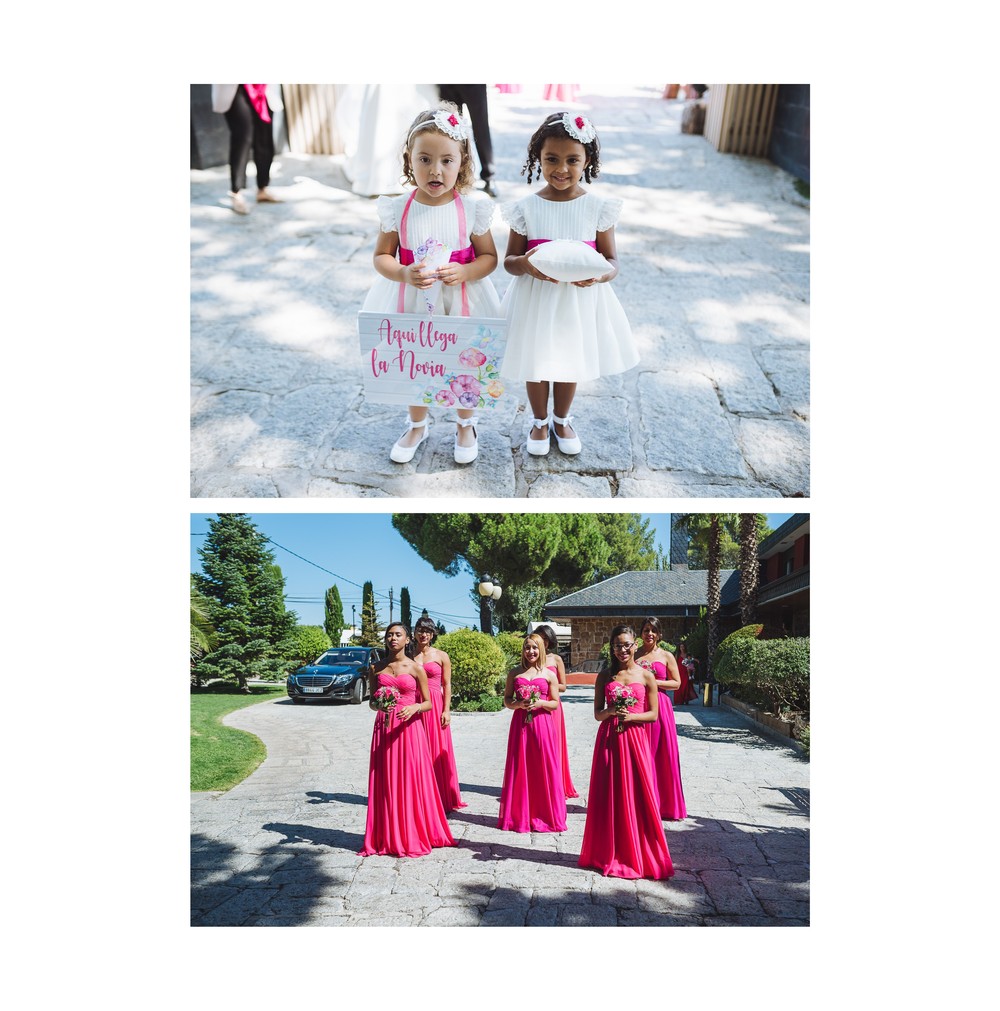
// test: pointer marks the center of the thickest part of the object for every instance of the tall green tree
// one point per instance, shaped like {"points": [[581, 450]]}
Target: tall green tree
{"points": [[333, 614], [534, 556], [405, 612], [246, 592], [371, 629]]}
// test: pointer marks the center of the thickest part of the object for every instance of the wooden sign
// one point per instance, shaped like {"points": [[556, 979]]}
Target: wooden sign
{"points": [[440, 361]]}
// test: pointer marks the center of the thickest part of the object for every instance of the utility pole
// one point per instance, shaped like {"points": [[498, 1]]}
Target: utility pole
{"points": [[390, 605]]}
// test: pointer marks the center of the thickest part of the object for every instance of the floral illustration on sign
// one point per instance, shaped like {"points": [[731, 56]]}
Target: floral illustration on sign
{"points": [[480, 385]]}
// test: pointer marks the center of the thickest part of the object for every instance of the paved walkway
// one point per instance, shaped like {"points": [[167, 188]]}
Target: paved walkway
{"points": [[714, 277], [281, 848]]}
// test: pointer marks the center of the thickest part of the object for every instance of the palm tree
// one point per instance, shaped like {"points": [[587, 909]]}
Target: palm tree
{"points": [[749, 567], [202, 631], [710, 527]]}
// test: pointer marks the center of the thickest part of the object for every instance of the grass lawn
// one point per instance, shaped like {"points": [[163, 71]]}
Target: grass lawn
{"points": [[220, 756]]}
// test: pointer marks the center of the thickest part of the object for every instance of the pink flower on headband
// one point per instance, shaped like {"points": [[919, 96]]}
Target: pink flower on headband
{"points": [[453, 119], [579, 128]]}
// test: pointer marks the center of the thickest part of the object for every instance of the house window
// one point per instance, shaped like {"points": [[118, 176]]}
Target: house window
{"points": [[788, 562]]}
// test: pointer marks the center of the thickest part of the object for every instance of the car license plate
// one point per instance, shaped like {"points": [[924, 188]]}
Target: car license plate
{"points": [[314, 691]]}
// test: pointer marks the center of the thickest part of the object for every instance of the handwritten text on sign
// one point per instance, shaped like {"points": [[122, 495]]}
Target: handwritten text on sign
{"points": [[443, 361]]}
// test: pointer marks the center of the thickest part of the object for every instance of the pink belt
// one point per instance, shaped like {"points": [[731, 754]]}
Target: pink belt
{"points": [[537, 242], [464, 255]]}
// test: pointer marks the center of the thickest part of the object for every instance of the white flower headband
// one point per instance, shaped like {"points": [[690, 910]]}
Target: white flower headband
{"points": [[456, 127], [578, 127]]}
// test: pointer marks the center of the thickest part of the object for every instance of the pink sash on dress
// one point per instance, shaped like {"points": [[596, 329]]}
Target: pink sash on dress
{"points": [[466, 254]]}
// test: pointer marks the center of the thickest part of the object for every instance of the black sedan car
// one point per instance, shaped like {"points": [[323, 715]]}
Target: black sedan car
{"points": [[340, 673]]}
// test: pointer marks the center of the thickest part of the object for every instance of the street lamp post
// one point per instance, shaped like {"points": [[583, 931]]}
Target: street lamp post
{"points": [[489, 594]]}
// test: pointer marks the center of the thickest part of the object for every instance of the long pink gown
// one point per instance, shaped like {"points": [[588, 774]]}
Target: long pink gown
{"points": [[666, 755], [532, 798], [439, 742], [623, 835], [405, 814], [563, 748], [686, 692]]}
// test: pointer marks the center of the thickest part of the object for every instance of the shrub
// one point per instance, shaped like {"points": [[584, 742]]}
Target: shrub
{"points": [[484, 704], [477, 663], [770, 672], [729, 665], [511, 644]]}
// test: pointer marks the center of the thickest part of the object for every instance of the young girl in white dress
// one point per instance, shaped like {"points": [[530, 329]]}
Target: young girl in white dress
{"points": [[562, 333], [438, 163]]}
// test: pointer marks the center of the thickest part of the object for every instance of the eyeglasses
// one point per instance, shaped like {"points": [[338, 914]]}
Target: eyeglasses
{"points": [[623, 645]]}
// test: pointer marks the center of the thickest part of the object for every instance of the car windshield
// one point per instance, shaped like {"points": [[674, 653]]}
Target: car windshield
{"points": [[339, 657]]}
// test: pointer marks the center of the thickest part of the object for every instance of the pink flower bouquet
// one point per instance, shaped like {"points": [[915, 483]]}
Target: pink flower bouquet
{"points": [[623, 699], [385, 698], [530, 694]]}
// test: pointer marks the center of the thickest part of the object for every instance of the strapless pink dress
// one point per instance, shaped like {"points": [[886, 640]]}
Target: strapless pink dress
{"points": [[623, 835], [532, 798], [439, 742], [405, 814], [563, 749], [666, 755]]}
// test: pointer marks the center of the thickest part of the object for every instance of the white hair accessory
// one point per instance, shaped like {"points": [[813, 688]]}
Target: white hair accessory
{"points": [[579, 127], [455, 126]]}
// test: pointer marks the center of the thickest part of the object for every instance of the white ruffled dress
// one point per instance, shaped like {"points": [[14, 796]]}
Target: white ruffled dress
{"points": [[438, 222], [558, 332]]}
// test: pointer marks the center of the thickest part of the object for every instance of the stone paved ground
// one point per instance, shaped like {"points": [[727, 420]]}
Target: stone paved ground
{"points": [[714, 277], [281, 848]]}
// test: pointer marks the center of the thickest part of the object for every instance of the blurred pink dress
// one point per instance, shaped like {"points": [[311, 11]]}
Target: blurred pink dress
{"points": [[560, 92], [532, 798], [405, 815], [563, 749], [623, 835], [666, 755], [439, 742]]}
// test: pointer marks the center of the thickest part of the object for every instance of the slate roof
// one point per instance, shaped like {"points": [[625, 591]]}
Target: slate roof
{"points": [[641, 593]]}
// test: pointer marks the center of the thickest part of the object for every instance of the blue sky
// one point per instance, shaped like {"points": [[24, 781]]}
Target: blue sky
{"points": [[317, 550]]}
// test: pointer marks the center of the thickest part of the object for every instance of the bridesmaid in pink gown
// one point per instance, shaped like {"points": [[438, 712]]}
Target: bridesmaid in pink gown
{"points": [[663, 732], [405, 814], [554, 663], [685, 665], [623, 835], [437, 722], [532, 798]]}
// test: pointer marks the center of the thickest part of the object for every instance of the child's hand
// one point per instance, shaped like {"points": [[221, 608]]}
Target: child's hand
{"points": [[418, 276], [594, 280], [532, 271], [452, 273]]}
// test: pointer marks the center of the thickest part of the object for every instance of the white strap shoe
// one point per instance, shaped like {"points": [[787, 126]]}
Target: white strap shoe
{"points": [[539, 447], [404, 454], [466, 454], [570, 446]]}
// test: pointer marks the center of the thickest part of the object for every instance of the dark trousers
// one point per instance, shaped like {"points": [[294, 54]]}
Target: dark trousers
{"points": [[473, 97], [247, 130]]}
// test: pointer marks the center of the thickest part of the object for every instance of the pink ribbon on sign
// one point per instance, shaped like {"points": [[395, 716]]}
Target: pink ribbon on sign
{"points": [[464, 255]]}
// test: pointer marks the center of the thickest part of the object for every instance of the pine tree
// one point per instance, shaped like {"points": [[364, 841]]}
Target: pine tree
{"points": [[333, 622], [245, 590], [371, 630], [405, 614]]}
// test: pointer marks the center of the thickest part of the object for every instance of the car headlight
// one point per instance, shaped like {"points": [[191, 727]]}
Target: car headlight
{"points": [[342, 679], [291, 679]]}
